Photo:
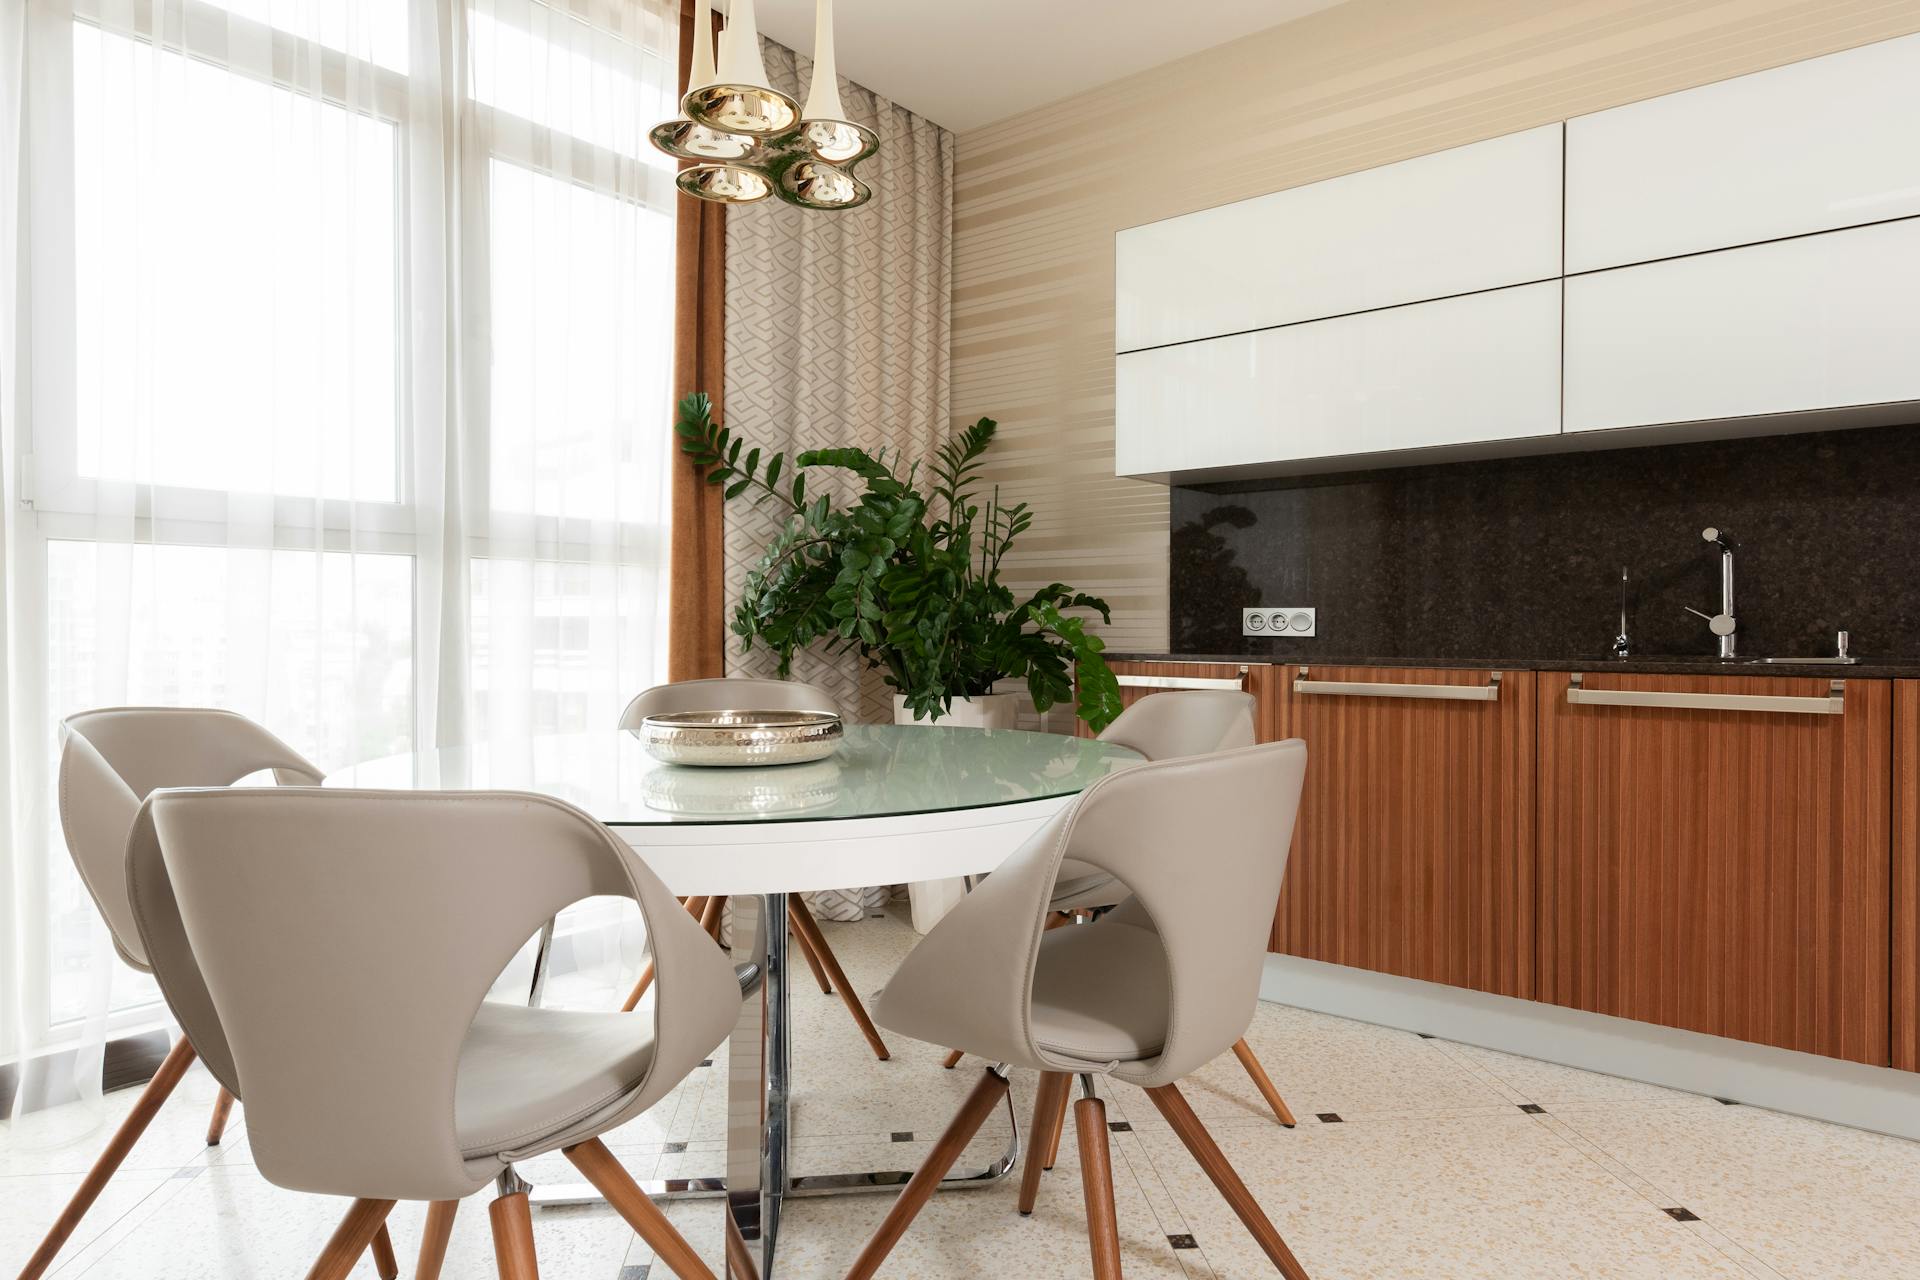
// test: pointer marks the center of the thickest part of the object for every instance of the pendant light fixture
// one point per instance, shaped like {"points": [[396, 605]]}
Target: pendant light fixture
{"points": [[748, 140]]}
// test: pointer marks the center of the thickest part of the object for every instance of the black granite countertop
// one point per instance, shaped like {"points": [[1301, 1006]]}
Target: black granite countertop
{"points": [[1891, 669]]}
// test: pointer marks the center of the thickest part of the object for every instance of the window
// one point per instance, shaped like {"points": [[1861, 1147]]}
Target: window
{"points": [[351, 389]]}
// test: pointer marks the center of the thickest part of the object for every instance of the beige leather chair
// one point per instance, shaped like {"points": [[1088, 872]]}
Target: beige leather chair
{"points": [[1146, 994], [1161, 726], [110, 760], [746, 694], [304, 938]]}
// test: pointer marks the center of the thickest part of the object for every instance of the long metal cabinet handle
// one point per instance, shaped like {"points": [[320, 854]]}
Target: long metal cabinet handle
{"points": [[1834, 704], [1183, 682], [1488, 692]]}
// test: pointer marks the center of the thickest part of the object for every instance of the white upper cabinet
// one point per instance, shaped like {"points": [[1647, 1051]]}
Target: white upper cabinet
{"points": [[1471, 218], [1817, 145], [1820, 322], [1456, 371]]}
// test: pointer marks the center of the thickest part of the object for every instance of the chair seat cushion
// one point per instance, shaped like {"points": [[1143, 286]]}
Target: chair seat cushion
{"points": [[1100, 993], [527, 1073]]}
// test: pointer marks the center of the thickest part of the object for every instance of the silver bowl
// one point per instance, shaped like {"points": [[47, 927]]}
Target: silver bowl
{"points": [[737, 738]]}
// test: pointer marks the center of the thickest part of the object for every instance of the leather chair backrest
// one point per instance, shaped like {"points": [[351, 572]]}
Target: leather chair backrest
{"points": [[111, 759], [729, 693], [1201, 840], [331, 948], [1184, 722]]}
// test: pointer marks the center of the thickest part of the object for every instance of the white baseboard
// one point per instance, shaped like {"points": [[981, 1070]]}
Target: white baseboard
{"points": [[1850, 1093]]}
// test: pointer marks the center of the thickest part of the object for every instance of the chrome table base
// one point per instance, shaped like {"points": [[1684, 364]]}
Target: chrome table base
{"points": [[759, 1067]]}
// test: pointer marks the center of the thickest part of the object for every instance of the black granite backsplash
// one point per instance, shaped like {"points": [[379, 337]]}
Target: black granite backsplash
{"points": [[1522, 556]]}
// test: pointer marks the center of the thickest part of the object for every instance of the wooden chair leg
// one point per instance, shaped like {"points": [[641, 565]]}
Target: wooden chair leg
{"points": [[1053, 1139], [813, 963], [611, 1179], [953, 1059], [350, 1239], [920, 1188], [1173, 1105], [804, 923], [385, 1264], [1096, 1184], [1049, 1102], [433, 1240], [1244, 1051], [711, 917], [639, 989], [740, 1264], [222, 1108], [172, 1067], [694, 905], [513, 1251]]}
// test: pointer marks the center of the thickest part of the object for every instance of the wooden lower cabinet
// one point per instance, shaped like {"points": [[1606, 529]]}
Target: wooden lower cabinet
{"points": [[1905, 992], [1413, 853], [1724, 871]]}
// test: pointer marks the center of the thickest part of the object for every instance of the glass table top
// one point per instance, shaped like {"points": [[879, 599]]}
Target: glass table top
{"points": [[879, 771]]}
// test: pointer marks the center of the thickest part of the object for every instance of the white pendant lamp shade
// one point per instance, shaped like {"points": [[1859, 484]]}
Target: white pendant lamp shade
{"points": [[700, 70], [748, 140], [739, 100], [686, 140], [823, 95], [829, 135]]}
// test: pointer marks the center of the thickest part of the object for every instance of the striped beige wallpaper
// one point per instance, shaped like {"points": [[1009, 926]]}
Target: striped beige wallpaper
{"points": [[1038, 198]]}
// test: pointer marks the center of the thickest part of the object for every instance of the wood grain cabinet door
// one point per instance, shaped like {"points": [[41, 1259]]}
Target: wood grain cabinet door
{"points": [[1906, 875], [1721, 870], [1413, 854]]}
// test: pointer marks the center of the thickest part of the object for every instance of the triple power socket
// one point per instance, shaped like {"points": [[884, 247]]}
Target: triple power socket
{"points": [[1283, 620]]}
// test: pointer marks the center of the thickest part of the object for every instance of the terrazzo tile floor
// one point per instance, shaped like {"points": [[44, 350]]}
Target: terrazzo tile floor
{"points": [[1415, 1158]]}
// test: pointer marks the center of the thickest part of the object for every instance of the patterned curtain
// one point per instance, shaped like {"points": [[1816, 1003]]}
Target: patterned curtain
{"points": [[837, 334]]}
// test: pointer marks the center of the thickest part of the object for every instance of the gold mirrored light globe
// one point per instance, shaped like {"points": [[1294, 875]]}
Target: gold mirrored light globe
{"points": [[689, 141], [838, 141], [724, 184], [821, 186], [741, 108]]}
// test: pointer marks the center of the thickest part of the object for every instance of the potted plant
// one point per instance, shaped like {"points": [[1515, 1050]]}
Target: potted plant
{"points": [[909, 580]]}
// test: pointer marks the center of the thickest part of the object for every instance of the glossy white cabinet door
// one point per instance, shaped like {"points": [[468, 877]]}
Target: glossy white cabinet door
{"points": [[1814, 323], [1481, 367], [1830, 142], [1473, 217]]}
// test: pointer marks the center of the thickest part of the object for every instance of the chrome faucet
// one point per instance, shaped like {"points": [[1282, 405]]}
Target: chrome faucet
{"points": [[1722, 624], [1622, 643]]}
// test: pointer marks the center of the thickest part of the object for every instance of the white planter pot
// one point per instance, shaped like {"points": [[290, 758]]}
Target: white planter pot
{"points": [[932, 899], [989, 711]]}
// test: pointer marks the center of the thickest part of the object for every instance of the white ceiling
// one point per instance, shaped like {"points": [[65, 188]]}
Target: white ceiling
{"points": [[964, 63]]}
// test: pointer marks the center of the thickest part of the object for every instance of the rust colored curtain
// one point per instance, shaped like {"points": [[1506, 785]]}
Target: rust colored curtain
{"points": [[696, 618]]}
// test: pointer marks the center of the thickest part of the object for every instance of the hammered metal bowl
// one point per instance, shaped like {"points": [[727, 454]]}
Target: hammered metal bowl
{"points": [[741, 738]]}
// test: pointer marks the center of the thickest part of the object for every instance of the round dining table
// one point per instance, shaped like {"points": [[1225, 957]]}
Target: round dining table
{"points": [[894, 804]]}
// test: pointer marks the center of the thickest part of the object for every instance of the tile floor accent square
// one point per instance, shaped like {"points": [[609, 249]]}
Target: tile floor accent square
{"points": [[1329, 1117], [1679, 1214], [1533, 1108], [1182, 1242]]}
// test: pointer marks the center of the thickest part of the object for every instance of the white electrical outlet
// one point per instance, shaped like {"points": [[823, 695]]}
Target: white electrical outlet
{"points": [[1284, 620]]}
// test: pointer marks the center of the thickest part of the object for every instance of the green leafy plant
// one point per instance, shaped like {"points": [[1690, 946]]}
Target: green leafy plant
{"points": [[908, 580]]}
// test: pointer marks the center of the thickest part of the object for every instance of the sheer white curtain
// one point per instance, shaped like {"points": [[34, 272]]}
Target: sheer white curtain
{"points": [[335, 392]]}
